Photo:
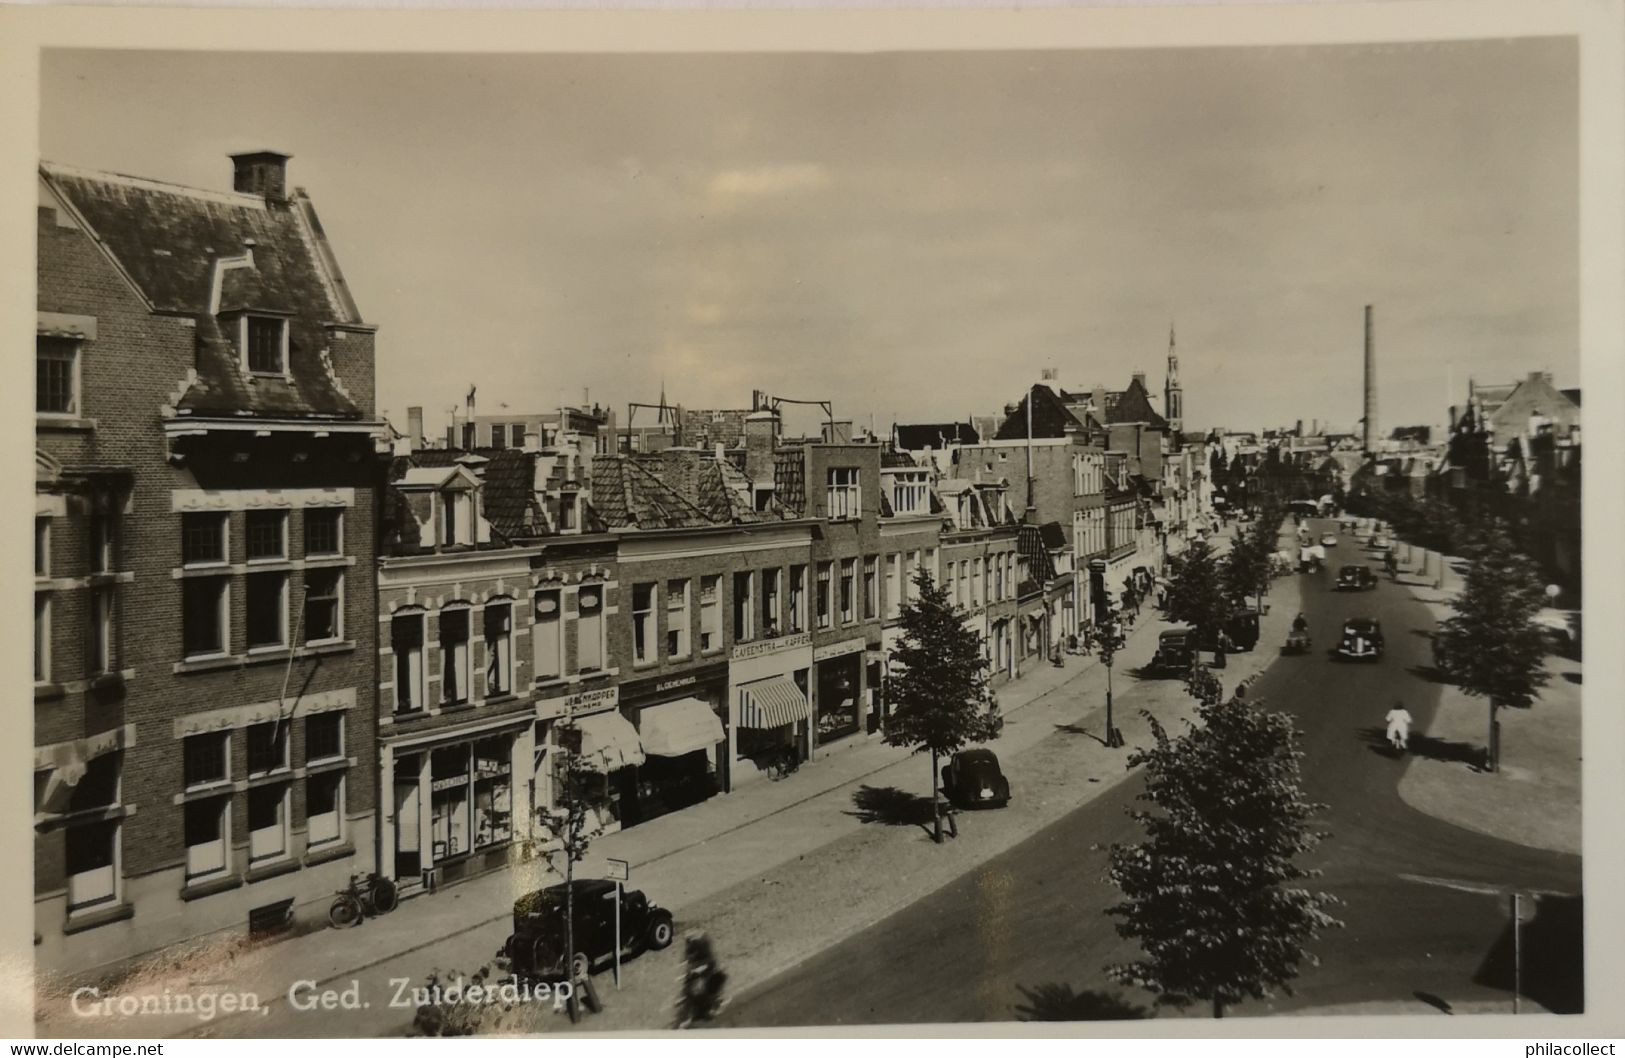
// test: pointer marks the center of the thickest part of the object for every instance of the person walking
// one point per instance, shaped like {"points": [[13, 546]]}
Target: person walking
{"points": [[1399, 727]]}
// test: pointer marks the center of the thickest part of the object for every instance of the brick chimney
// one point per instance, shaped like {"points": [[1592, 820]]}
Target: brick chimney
{"points": [[761, 438], [1139, 376], [838, 432], [263, 173]]}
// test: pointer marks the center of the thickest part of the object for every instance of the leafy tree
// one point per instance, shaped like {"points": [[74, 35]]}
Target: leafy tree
{"points": [[580, 794], [1196, 594], [1491, 646], [1214, 893], [1246, 568], [1107, 639], [938, 685]]}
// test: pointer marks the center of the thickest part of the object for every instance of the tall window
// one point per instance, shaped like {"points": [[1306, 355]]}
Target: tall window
{"points": [[207, 833], [204, 616], [103, 538], [772, 627], [498, 648], [826, 573], [949, 585], [913, 573], [406, 641], [677, 618], [103, 645], [324, 531], [267, 345], [499, 435], [710, 614], [976, 597], [324, 809], [843, 493], [871, 586], [849, 576], [643, 623], [56, 376], [324, 605], [569, 520], [894, 585], [962, 585], [42, 637], [454, 661], [797, 616], [267, 823], [266, 604], [203, 538], [546, 635], [590, 629], [42, 547], [909, 493], [743, 601], [206, 760], [90, 853]]}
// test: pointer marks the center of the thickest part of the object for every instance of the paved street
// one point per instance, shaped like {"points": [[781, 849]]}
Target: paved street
{"points": [[1033, 918]]}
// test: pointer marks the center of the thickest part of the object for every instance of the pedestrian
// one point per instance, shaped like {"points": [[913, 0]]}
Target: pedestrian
{"points": [[1399, 727]]}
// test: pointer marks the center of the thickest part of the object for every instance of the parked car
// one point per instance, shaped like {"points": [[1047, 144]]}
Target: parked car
{"points": [[1362, 640], [1242, 628], [1562, 628], [535, 949], [972, 779], [1175, 651], [1328, 540], [1355, 578], [1381, 542]]}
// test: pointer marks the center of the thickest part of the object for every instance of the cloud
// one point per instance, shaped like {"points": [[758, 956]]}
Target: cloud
{"points": [[770, 180]]}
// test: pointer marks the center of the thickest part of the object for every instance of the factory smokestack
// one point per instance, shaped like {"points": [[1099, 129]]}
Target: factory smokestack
{"points": [[1370, 386]]}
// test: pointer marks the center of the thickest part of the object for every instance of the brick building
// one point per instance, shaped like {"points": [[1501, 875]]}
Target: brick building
{"points": [[981, 566], [911, 522], [206, 486]]}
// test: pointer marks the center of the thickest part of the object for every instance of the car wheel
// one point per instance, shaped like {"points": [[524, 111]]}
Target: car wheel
{"points": [[580, 966], [661, 931]]}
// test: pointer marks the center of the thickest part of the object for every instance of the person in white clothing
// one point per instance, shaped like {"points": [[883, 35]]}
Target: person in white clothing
{"points": [[1399, 726]]}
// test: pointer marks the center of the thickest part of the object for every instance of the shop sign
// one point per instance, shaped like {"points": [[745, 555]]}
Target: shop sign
{"points": [[619, 871], [836, 650], [651, 687], [747, 651], [585, 700], [448, 784]]}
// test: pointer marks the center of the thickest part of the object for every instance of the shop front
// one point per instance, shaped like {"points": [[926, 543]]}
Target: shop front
{"points": [[679, 724], [771, 721], [453, 802], [607, 745], [839, 692]]}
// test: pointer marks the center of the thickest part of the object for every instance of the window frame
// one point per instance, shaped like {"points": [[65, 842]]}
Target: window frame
{"points": [[844, 498], [113, 868], [824, 595], [337, 717], [547, 635], [280, 515], [337, 514], [42, 638], [796, 613], [284, 794], [191, 518], [222, 616], [597, 623], [224, 781], [417, 683], [499, 650], [221, 804], [871, 587], [678, 644], [280, 578], [281, 747], [340, 779], [847, 590], [337, 600], [711, 614], [245, 332], [459, 664], [74, 359], [645, 651], [743, 606]]}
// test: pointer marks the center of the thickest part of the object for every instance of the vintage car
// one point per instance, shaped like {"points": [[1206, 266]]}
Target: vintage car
{"points": [[1328, 539], [1362, 640], [1242, 630], [1355, 578], [1175, 651], [1381, 542], [972, 779], [535, 949]]}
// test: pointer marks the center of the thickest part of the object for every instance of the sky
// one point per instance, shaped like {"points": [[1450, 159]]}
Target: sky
{"points": [[912, 236]]}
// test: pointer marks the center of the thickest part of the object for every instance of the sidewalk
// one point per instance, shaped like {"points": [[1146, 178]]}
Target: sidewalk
{"points": [[775, 872], [1534, 799]]}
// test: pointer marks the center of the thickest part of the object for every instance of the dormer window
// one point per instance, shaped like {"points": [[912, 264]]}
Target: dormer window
{"points": [[264, 342]]}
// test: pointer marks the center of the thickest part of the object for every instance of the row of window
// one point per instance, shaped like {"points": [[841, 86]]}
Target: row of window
{"points": [[1088, 474], [975, 582], [205, 535], [101, 640], [454, 644]]}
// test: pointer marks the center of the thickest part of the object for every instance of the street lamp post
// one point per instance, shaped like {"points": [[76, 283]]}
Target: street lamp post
{"points": [[1109, 642]]}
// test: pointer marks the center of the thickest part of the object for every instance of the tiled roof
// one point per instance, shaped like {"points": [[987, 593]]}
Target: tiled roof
{"points": [[629, 495], [169, 240], [1030, 543], [918, 436], [509, 495], [891, 459], [1573, 395], [1050, 417], [716, 488], [703, 428], [789, 481], [1053, 536]]}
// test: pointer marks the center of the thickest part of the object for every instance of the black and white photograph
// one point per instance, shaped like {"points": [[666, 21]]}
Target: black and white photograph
{"points": [[539, 540]]}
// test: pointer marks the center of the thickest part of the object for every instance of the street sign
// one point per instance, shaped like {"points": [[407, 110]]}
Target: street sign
{"points": [[620, 871]]}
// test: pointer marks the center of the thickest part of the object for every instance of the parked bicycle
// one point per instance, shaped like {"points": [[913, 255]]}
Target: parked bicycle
{"points": [[366, 895]]}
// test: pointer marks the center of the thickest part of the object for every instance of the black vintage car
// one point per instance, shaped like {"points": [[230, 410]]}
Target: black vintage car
{"points": [[1175, 650], [535, 949], [1355, 578], [1362, 640], [972, 779]]}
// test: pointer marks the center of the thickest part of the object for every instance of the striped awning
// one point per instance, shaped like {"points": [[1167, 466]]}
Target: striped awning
{"points": [[771, 703]]}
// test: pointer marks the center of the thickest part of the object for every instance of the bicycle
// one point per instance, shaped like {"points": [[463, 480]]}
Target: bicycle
{"points": [[366, 895]]}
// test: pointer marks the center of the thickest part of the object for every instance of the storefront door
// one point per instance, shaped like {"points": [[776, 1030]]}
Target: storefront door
{"points": [[408, 845]]}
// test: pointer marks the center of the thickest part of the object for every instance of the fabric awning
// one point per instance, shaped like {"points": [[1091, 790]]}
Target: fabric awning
{"points": [[772, 703], [609, 741], [672, 729]]}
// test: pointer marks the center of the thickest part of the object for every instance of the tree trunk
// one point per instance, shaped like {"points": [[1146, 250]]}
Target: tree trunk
{"points": [[1492, 752], [1218, 1007], [936, 802]]}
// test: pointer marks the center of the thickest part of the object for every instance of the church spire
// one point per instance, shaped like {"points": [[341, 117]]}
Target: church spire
{"points": [[1173, 399]]}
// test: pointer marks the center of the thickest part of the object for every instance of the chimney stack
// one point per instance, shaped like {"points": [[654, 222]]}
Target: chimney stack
{"points": [[761, 438], [1139, 376], [1370, 385], [263, 173], [414, 427]]}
